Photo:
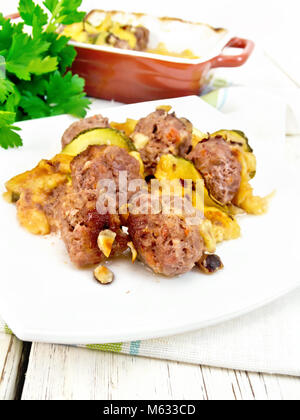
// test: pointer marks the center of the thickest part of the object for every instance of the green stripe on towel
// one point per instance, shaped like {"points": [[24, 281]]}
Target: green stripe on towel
{"points": [[115, 348]]}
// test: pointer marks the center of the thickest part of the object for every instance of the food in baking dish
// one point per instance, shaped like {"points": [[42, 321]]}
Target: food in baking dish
{"points": [[111, 33]]}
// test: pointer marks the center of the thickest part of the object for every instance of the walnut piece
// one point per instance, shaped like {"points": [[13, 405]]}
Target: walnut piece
{"points": [[105, 241], [103, 275], [133, 251]]}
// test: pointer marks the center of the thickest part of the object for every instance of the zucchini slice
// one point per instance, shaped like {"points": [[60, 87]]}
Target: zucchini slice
{"points": [[98, 137], [173, 167], [236, 138], [170, 167]]}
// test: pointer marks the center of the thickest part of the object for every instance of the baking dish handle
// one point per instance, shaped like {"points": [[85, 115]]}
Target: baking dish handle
{"points": [[224, 60]]}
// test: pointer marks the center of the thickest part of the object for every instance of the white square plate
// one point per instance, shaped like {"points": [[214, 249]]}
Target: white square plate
{"points": [[44, 298]]}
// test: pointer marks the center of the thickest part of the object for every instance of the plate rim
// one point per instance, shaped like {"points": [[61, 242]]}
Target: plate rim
{"points": [[27, 334]]}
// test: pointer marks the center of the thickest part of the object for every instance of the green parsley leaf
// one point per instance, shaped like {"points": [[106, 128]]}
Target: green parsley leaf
{"points": [[62, 95], [33, 82], [6, 88], [64, 12], [66, 57], [51, 5], [57, 42], [37, 86], [29, 12], [25, 57], [65, 94], [12, 102], [40, 66], [8, 137], [59, 48], [6, 33], [70, 17], [7, 118], [34, 106]]}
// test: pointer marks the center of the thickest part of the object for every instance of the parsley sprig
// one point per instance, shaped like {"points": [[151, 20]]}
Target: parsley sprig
{"points": [[34, 81]]}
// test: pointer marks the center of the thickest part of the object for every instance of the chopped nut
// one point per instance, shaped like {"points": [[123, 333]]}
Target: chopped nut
{"points": [[103, 275], [133, 251], [140, 140], [87, 165], [105, 241], [206, 232], [210, 263], [166, 108]]}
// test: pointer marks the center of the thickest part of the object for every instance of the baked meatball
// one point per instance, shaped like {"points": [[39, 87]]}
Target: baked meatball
{"points": [[79, 218], [219, 166], [103, 162], [141, 35], [167, 243], [116, 42], [163, 133], [97, 121], [80, 225]]}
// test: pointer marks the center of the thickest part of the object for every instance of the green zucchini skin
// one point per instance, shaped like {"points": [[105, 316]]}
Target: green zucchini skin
{"points": [[98, 137], [235, 137]]}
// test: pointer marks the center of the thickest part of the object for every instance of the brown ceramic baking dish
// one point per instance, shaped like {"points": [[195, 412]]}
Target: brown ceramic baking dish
{"points": [[132, 76]]}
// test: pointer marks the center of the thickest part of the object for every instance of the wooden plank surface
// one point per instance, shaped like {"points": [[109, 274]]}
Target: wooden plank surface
{"points": [[10, 366], [68, 373]]}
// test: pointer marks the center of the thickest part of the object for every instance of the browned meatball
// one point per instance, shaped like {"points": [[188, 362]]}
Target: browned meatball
{"points": [[167, 243], [219, 167], [103, 162], [80, 225], [116, 42], [165, 134], [97, 121], [79, 218], [142, 38]]}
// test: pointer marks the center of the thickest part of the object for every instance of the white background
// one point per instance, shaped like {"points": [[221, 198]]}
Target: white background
{"points": [[272, 23]]}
